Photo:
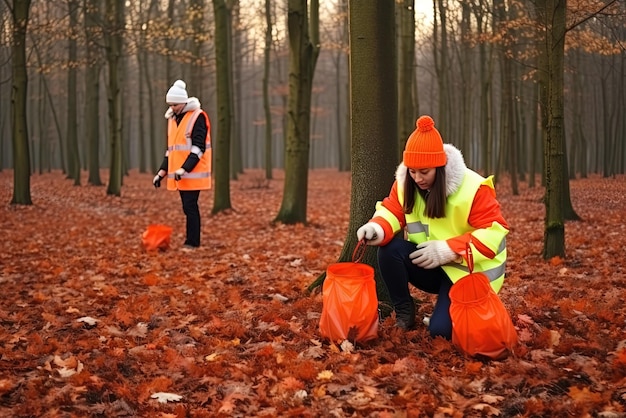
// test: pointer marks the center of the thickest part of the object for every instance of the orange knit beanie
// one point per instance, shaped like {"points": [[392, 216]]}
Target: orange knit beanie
{"points": [[424, 148]]}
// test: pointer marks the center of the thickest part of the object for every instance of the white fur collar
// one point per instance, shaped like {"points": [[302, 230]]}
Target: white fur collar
{"points": [[455, 169], [192, 104]]}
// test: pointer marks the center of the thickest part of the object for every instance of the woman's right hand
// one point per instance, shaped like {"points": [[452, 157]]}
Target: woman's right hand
{"points": [[371, 232]]}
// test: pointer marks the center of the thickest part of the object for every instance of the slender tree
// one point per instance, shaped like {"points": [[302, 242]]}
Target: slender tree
{"points": [[93, 12], [339, 56], [114, 40], [304, 49], [52, 107], [406, 71], [150, 75], [507, 114], [73, 158], [467, 81], [221, 201], [267, 48], [552, 19], [19, 126], [142, 58], [374, 132], [235, 38], [485, 70], [442, 61]]}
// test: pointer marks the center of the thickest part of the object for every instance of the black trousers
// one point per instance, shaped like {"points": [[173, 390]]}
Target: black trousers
{"points": [[189, 199], [398, 271]]}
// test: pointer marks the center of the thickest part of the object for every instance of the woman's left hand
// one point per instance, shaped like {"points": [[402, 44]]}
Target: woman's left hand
{"points": [[432, 254]]}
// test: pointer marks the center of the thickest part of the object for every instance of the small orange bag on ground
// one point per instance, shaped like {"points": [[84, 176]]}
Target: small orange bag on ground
{"points": [[481, 325], [349, 301], [156, 237]]}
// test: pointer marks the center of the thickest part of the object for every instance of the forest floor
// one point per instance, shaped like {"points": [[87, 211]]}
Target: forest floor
{"points": [[93, 325]]}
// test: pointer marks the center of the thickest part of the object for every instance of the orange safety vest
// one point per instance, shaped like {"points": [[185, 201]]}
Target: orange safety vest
{"points": [[179, 147]]}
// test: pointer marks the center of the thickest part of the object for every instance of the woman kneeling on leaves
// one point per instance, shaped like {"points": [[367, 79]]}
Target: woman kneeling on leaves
{"points": [[436, 206]]}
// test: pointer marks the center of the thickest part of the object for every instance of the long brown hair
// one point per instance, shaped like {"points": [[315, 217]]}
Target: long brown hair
{"points": [[435, 197]]}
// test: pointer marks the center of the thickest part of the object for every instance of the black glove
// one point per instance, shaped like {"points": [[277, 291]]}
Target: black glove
{"points": [[157, 181], [178, 174]]}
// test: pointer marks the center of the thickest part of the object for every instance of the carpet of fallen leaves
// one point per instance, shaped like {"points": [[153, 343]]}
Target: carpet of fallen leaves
{"points": [[91, 324]]}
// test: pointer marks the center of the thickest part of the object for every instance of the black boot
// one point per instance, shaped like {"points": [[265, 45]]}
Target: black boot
{"points": [[405, 315]]}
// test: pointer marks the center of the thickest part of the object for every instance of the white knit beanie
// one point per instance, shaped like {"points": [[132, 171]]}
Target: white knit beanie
{"points": [[177, 93]]}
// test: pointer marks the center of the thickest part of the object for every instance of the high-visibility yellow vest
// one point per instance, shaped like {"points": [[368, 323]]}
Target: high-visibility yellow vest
{"points": [[179, 147], [420, 228]]}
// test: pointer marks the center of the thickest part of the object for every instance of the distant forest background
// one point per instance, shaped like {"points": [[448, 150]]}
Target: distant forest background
{"points": [[471, 64]]}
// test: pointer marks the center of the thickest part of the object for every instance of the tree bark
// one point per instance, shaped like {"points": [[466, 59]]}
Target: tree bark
{"points": [[19, 90], [442, 62], [73, 158], [485, 63], [553, 23], [266, 95], [236, 49], [114, 41], [374, 133], [304, 50], [406, 72], [92, 91], [221, 201]]}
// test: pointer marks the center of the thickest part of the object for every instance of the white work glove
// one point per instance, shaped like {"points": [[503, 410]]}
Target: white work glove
{"points": [[156, 181], [432, 254], [372, 232], [179, 173]]}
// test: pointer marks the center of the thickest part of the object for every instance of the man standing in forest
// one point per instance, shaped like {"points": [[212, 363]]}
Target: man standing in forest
{"points": [[187, 161]]}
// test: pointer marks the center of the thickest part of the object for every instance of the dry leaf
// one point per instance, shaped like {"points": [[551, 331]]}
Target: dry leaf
{"points": [[165, 397], [347, 346], [87, 320], [218, 323], [325, 375]]}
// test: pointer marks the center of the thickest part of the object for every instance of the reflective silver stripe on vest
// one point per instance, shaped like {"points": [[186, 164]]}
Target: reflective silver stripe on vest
{"points": [[179, 147], [192, 175], [191, 122], [492, 274], [502, 245], [416, 228]]}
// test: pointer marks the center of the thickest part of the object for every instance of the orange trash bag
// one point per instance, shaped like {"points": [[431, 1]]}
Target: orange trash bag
{"points": [[481, 325], [156, 237], [349, 300]]}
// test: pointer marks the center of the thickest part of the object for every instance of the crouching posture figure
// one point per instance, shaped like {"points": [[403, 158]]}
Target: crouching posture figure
{"points": [[436, 206]]}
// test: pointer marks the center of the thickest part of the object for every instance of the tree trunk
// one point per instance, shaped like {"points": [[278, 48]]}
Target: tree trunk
{"points": [[374, 148], [114, 40], [553, 20], [73, 158], [236, 49], [406, 72], [21, 153], [53, 110], [467, 82], [304, 50], [534, 136], [266, 95], [92, 91], [442, 62], [485, 69], [342, 90], [41, 111], [507, 115], [221, 201], [235, 146]]}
